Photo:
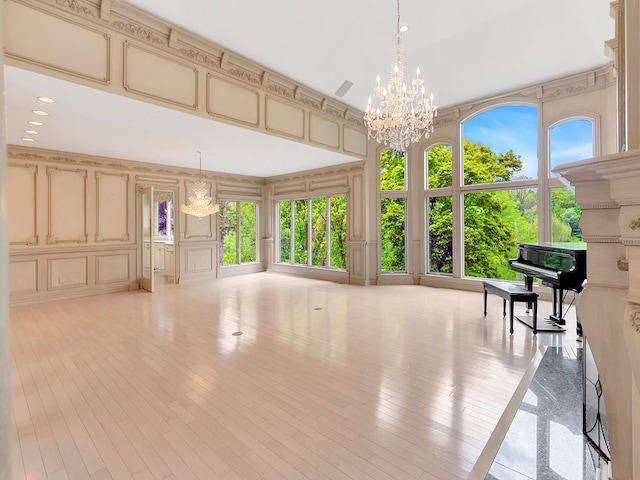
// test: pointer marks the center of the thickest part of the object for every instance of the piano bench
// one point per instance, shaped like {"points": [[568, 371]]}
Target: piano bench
{"points": [[513, 293]]}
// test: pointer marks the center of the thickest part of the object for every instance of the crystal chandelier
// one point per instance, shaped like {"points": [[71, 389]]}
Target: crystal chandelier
{"points": [[200, 205], [403, 114]]}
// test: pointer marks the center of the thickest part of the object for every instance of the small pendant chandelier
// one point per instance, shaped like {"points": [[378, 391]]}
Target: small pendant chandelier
{"points": [[200, 206], [403, 114]]}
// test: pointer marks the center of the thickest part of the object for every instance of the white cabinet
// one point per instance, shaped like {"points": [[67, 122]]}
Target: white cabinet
{"points": [[169, 264], [158, 257]]}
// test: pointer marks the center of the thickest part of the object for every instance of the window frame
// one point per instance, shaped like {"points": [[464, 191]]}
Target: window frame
{"points": [[238, 246]]}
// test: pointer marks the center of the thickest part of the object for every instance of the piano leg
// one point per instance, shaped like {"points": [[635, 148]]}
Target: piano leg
{"points": [[556, 316], [528, 284]]}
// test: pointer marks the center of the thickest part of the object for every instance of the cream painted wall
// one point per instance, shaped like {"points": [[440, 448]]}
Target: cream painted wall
{"points": [[5, 405], [73, 227]]}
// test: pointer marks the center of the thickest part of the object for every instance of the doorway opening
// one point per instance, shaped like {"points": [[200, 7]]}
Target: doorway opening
{"points": [[158, 227]]}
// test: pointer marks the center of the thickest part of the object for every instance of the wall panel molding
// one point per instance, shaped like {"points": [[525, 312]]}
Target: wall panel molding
{"points": [[159, 77], [112, 207], [355, 141], [293, 188], [337, 183], [199, 260], [65, 273], [67, 205], [198, 227], [23, 276], [284, 118], [355, 216], [232, 101], [112, 268], [251, 191], [56, 42], [23, 216], [323, 131]]}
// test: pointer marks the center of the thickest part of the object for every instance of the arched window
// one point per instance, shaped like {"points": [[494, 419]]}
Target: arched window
{"points": [[499, 147], [569, 141]]}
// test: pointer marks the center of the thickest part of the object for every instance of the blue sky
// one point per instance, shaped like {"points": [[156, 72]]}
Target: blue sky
{"points": [[514, 127]]}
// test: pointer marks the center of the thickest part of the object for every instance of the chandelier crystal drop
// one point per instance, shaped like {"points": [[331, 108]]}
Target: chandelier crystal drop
{"points": [[200, 206], [403, 114]]}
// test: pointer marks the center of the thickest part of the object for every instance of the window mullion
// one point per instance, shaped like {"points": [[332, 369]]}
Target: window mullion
{"points": [[309, 230], [238, 242]]}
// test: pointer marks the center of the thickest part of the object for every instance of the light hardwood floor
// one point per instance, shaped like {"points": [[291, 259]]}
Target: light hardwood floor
{"points": [[327, 381]]}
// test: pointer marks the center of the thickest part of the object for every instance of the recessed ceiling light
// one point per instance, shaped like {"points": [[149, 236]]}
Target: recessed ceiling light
{"points": [[34, 122], [27, 139], [32, 132], [46, 100], [39, 112], [404, 28]]}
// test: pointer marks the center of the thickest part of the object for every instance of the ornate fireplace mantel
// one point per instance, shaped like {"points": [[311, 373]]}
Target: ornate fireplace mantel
{"points": [[608, 191]]}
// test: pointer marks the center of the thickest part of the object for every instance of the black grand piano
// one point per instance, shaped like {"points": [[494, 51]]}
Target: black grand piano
{"points": [[562, 266]]}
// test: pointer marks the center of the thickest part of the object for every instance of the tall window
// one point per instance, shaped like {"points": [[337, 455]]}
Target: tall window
{"points": [[500, 166], [569, 141], [238, 232], [314, 232], [393, 196], [439, 209]]}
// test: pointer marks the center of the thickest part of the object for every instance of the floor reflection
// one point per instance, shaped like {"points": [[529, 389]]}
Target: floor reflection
{"points": [[545, 439]]}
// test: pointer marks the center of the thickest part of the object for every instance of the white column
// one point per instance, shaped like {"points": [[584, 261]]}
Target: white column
{"points": [[5, 406], [606, 189]]}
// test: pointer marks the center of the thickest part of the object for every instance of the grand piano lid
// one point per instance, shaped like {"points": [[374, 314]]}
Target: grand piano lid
{"points": [[569, 246]]}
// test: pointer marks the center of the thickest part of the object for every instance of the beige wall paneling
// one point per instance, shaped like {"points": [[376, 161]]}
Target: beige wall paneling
{"points": [[112, 207], [284, 118], [22, 215], [232, 101], [51, 41], [159, 77], [329, 185], [23, 276], [296, 188], [356, 212], [112, 268], [324, 132], [195, 228], [357, 263], [67, 272], [240, 190], [67, 205], [7, 445], [199, 259], [355, 141]]}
